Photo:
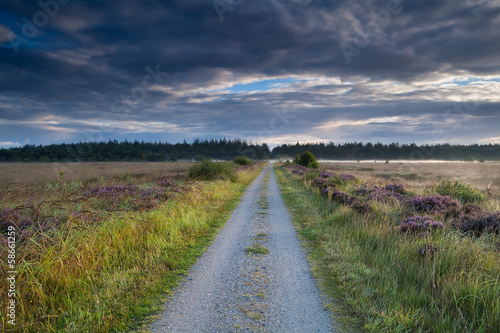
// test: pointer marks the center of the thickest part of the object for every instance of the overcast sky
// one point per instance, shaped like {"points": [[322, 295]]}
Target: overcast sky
{"points": [[270, 71]]}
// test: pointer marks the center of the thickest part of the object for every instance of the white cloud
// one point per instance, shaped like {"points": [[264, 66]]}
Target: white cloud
{"points": [[9, 144]]}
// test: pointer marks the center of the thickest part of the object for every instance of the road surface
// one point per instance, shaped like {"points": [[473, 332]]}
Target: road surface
{"points": [[234, 288]]}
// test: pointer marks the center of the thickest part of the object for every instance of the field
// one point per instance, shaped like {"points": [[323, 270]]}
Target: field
{"points": [[41, 173], [424, 174], [97, 247], [394, 250]]}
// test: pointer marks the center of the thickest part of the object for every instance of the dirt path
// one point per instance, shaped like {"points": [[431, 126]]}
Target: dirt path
{"points": [[234, 288]]}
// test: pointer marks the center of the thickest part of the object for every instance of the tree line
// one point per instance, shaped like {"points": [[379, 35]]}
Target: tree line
{"points": [[113, 150], [224, 149], [393, 151]]}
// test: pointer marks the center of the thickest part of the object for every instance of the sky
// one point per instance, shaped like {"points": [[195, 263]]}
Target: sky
{"points": [[274, 71]]}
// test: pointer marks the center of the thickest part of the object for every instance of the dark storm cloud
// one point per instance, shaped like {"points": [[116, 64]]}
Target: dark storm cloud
{"points": [[92, 53]]}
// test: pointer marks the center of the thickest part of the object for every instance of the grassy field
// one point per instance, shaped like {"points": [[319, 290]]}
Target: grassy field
{"points": [[400, 257], [41, 173], [101, 254], [424, 174]]}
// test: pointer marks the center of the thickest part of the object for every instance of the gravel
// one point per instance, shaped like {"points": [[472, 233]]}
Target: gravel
{"points": [[232, 290]]}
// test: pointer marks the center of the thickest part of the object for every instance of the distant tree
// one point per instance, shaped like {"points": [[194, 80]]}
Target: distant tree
{"points": [[307, 159]]}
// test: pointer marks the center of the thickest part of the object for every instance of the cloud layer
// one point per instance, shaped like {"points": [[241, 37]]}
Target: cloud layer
{"points": [[275, 71]]}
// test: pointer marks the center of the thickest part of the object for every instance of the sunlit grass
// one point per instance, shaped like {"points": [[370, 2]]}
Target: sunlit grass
{"points": [[383, 282], [111, 275]]}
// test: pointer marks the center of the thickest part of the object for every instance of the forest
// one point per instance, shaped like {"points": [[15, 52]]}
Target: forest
{"points": [[224, 149], [393, 151], [113, 150]]}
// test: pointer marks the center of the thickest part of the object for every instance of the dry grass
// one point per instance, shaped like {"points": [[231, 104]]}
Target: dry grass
{"points": [[425, 174], [41, 173]]}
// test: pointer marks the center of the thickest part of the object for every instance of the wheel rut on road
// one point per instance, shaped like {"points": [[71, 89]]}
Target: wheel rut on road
{"points": [[253, 278]]}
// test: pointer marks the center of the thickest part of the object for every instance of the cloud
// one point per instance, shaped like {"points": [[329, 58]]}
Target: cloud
{"points": [[230, 77]]}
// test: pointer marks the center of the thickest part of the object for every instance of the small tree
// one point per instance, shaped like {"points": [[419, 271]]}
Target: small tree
{"points": [[307, 159]]}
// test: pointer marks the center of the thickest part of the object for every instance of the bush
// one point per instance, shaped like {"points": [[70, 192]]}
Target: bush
{"points": [[434, 204], [479, 223], [465, 193], [242, 160], [209, 170], [418, 224], [308, 160]]}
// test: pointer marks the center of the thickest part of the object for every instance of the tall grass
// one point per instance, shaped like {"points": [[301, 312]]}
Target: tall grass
{"points": [[111, 276], [388, 282]]}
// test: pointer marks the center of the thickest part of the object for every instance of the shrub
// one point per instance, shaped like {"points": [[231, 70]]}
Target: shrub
{"points": [[398, 188], [465, 193], [434, 204], [209, 170], [478, 223], [308, 160], [319, 182], [165, 182], [384, 195], [418, 223], [242, 160]]}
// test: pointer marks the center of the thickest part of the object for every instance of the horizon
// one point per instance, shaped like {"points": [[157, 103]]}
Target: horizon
{"points": [[275, 72], [249, 142]]}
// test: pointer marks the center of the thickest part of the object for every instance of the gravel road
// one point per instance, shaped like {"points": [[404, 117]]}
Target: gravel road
{"points": [[235, 288]]}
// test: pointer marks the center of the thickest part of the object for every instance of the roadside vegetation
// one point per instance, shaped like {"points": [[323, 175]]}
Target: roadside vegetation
{"points": [[398, 257], [242, 160], [211, 170], [101, 255]]}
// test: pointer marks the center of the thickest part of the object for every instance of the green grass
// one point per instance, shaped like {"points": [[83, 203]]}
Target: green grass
{"points": [[256, 249], [380, 281], [112, 276]]}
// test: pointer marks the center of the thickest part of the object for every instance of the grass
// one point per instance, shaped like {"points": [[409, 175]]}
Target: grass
{"points": [[114, 274], [381, 280], [43, 173], [256, 249], [481, 175]]}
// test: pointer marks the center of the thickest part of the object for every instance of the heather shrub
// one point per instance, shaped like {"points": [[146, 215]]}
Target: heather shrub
{"points": [[465, 193], [397, 188], [434, 204], [478, 223], [165, 182], [384, 195], [419, 224], [209, 170], [319, 182]]}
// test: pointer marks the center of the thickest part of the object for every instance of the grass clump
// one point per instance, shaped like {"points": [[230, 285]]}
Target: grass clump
{"points": [[257, 249], [210, 170], [465, 193], [242, 160]]}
